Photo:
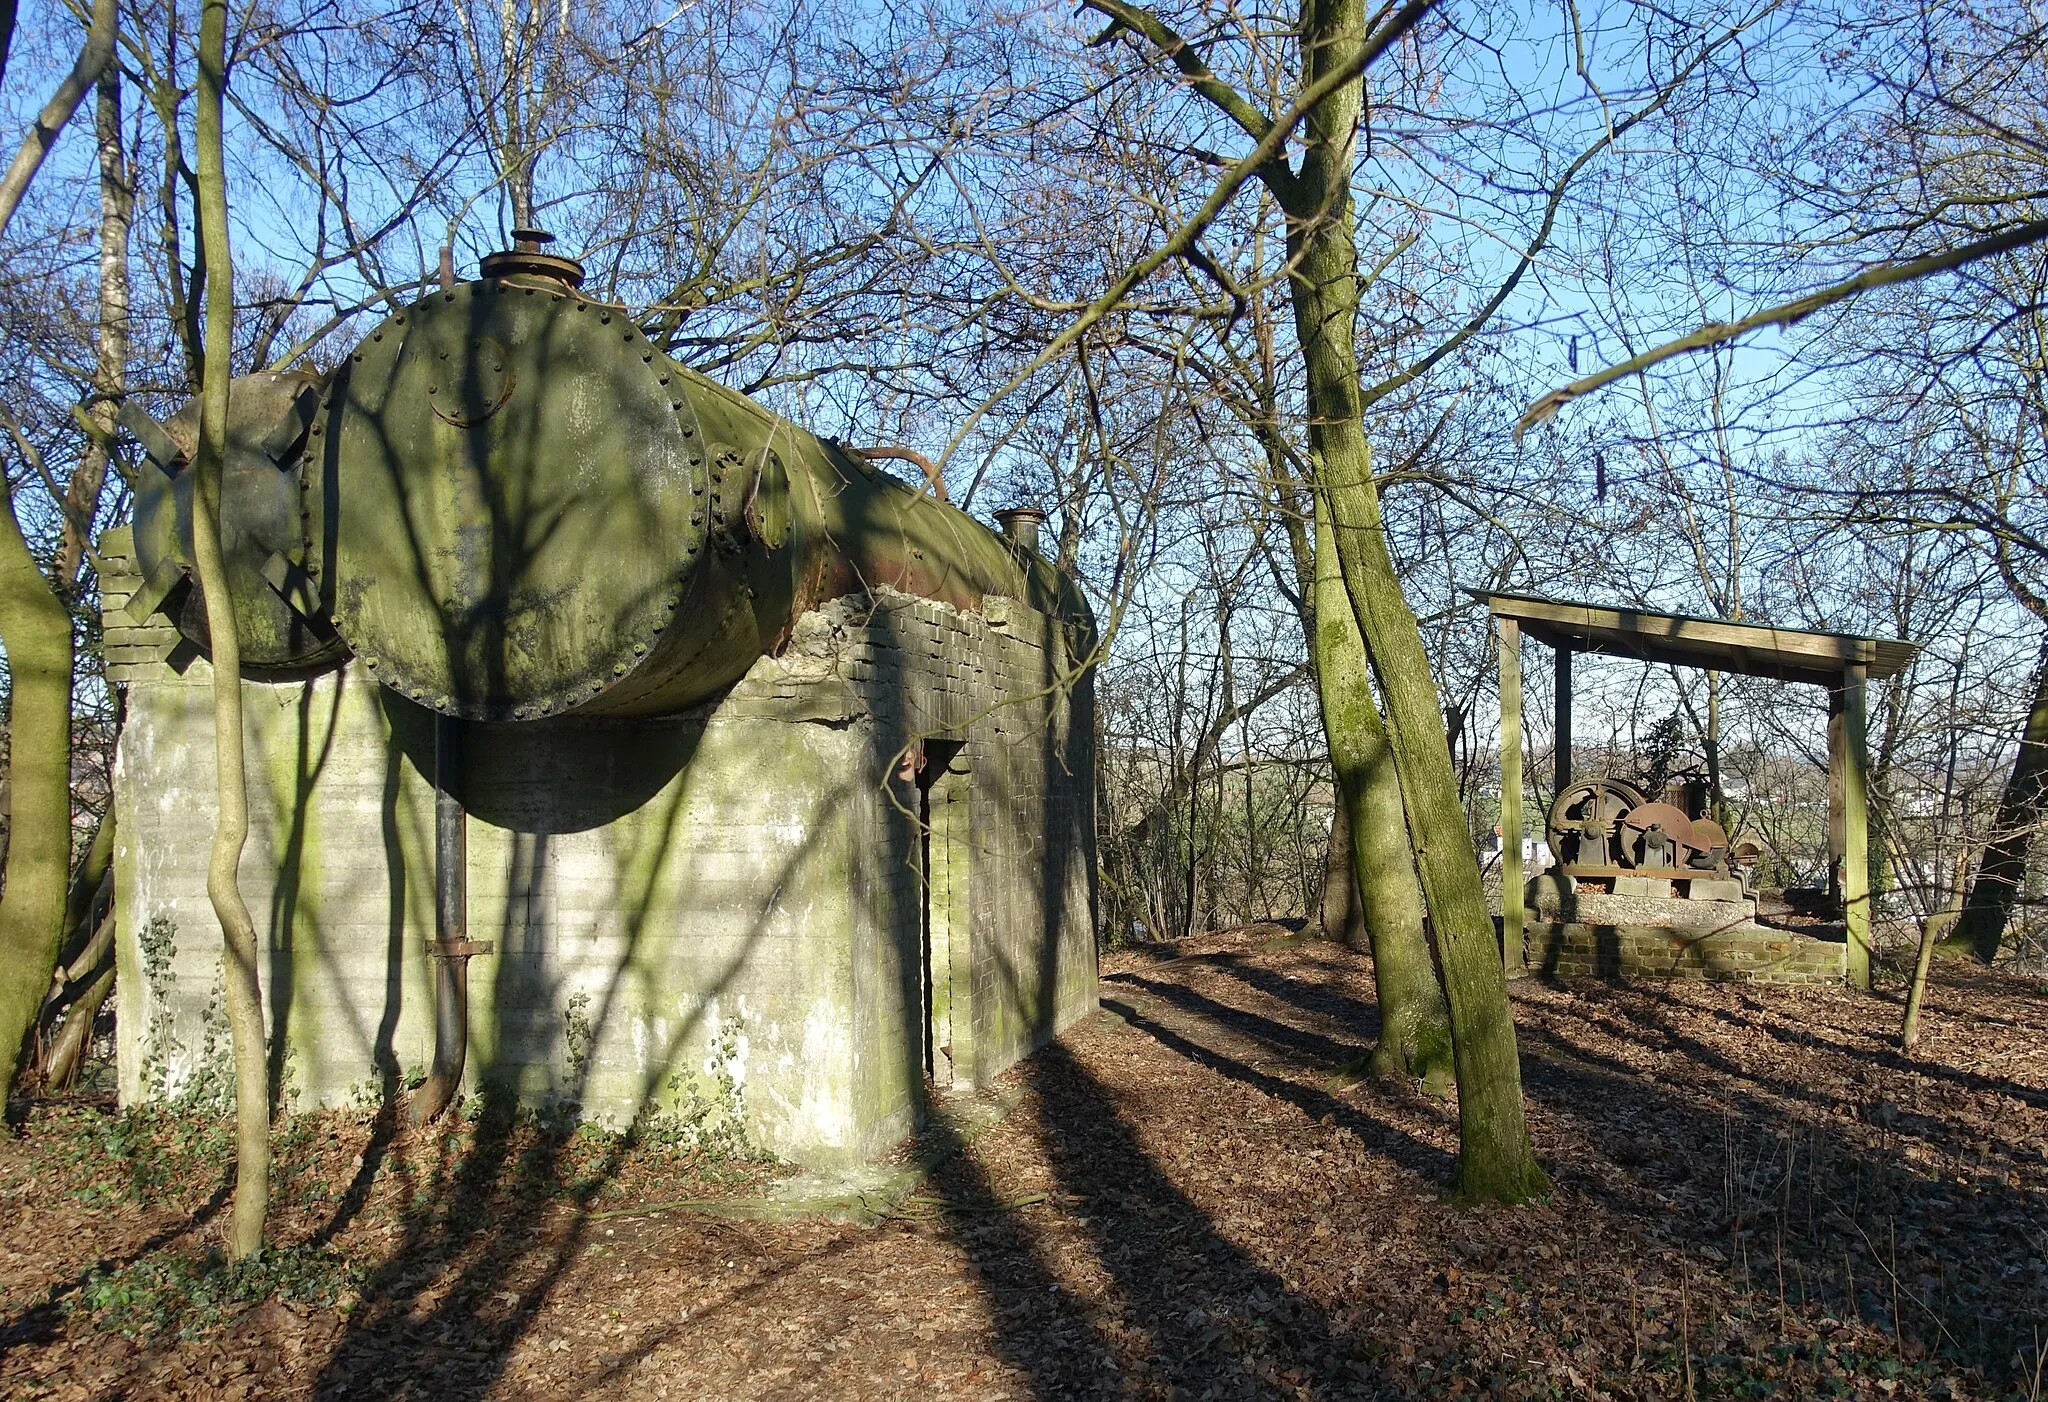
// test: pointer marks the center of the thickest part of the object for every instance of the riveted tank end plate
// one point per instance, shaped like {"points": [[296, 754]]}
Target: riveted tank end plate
{"points": [[505, 507], [282, 633]]}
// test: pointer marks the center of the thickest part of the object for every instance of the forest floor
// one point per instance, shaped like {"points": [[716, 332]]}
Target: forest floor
{"points": [[1755, 1195]]}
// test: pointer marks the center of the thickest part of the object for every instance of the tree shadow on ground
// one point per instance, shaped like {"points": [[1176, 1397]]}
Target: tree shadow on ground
{"points": [[1187, 1311], [1823, 1195]]}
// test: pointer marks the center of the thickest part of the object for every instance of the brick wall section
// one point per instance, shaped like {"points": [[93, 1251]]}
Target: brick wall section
{"points": [[752, 860], [133, 649], [1755, 954]]}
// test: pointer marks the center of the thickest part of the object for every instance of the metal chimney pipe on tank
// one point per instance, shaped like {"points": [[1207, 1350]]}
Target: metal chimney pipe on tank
{"points": [[1020, 527]]}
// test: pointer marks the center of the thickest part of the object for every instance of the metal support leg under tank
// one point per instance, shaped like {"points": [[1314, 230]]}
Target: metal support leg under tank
{"points": [[452, 948]]}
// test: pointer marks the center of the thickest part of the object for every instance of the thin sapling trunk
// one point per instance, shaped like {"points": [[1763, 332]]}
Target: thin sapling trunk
{"points": [[223, 880]]}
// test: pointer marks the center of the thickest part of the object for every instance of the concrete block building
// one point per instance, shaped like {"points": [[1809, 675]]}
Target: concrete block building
{"points": [[613, 743], [861, 876]]}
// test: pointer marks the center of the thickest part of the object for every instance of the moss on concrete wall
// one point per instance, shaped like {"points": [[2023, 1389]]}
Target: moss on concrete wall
{"points": [[727, 898]]}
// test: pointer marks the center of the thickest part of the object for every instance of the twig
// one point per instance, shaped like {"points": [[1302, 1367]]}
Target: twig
{"points": [[940, 1207], [1685, 1328], [1898, 1330]]}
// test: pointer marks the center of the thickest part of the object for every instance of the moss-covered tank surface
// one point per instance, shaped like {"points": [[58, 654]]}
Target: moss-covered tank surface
{"points": [[517, 506]]}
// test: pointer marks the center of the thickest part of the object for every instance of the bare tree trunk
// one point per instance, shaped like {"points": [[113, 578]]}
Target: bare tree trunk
{"points": [[85, 944], [2020, 811], [1930, 934], [92, 59], [35, 628], [223, 878], [110, 377], [1495, 1160], [76, 1033], [8, 10], [83, 893], [1415, 1032]]}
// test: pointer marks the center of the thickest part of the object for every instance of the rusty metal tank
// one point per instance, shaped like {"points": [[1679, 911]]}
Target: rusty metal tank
{"points": [[514, 505]]}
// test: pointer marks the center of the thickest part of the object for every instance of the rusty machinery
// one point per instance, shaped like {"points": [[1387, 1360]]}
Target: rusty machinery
{"points": [[1602, 830]]}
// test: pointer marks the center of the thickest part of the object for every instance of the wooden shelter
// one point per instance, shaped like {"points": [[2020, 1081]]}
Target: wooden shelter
{"points": [[1842, 663]]}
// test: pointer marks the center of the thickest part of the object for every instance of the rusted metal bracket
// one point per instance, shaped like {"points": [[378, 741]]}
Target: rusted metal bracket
{"points": [[459, 949]]}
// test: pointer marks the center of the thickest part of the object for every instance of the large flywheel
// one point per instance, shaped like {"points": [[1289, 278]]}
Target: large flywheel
{"points": [[1585, 822]]}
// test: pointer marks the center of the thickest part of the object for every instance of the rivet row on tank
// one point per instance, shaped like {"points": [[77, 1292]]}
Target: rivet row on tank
{"points": [[605, 319], [640, 649], [696, 489], [696, 518], [664, 379], [618, 669], [689, 430], [648, 359], [377, 335]]}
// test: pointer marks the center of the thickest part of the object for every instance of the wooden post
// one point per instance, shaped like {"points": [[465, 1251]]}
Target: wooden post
{"points": [[1563, 730], [1513, 919], [1837, 793], [1856, 826]]}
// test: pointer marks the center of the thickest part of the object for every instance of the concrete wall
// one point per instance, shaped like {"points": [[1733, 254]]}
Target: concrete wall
{"points": [[746, 874]]}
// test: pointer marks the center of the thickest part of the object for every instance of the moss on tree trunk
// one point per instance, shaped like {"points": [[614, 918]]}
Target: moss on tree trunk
{"points": [[1495, 1161], [35, 628], [1415, 1032]]}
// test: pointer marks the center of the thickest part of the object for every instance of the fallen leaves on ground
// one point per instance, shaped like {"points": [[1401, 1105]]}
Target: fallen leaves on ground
{"points": [[1756, 1195]]}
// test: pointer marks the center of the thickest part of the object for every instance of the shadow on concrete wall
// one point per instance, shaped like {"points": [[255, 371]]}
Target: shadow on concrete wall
{"points": [[478, 1213]]}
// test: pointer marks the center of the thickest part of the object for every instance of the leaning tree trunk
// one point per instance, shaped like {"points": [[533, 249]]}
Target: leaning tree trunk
{"points": [[93, 57], [35, 628], [1495, 1160], [84, 946], [1415, 1032], [2004, 863], [223, 879]]}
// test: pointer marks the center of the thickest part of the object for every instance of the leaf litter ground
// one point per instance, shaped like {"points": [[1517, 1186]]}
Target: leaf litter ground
{"points": [[1756, 1195]]}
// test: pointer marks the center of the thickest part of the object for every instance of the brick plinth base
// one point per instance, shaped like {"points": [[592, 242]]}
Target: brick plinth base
{"points": [[1569, 951]]}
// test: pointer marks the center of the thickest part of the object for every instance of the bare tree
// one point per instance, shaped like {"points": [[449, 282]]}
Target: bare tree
{"points": [[223, 875]]}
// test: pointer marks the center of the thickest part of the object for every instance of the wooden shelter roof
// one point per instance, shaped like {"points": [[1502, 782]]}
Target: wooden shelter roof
{"points": [[1789, 654]]}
